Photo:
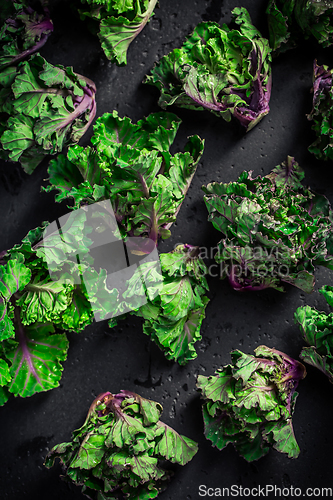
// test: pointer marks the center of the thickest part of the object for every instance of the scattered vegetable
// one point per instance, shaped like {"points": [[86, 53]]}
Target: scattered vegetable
{"points": [[43, 108], [119, 23], [290, 21], [23, 32], [226, 71], [275, 230], [130, 164], [317, 329], [321, 113], [45, 288], [117, 453], [173, 319], [33, 305], [250, 403]]}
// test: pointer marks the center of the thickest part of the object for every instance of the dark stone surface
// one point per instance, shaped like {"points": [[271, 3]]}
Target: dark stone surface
{"points": [[101, 359]]}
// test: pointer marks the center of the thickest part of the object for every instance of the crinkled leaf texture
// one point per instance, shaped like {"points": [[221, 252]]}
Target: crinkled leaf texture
{"points": [[36, 303], [173, 319], [43, 108], [321, 114], [120, 22], [226, 71], [23, 33], [317, 330], [250, 403], [275, 231], [130, 164], [291, 21], [119, 449], [32, 306]]}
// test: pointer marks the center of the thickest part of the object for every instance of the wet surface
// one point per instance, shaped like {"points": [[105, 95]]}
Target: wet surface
{"points": [[101, 359]]}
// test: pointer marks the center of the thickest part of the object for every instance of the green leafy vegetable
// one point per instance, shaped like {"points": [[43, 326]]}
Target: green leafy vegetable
{"points": [[50, 284], [321, 113], [317, 329], [23, 31], [117, 453], [290, 21], [32, 305], [250, 403], [226, 71], [43, 108], [275, 231], [173, 319], [130, 164], [120, 22]]}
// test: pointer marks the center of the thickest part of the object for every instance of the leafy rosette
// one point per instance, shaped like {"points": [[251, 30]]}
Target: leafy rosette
{"points": [[275, 231], [173, 319], [36, 307], [250, 403], [122, 449], [43, 108], [119, 23], [226, 71], [290, 21], [23, 33], [317, 330], [321, 114], [130, 165]]}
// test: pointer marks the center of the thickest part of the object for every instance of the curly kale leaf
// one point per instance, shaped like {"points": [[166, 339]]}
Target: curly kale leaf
{"points": [[250, 403], [130, 165], [275, 231], [119, 449], [34, 300], [290, 21], [173, 318], [120, 22], [321, 113], [43, 108], [23, 32], [317, 329], [226, 71]]}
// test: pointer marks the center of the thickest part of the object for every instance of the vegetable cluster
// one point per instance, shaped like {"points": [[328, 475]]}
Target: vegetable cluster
{"points": [[317, 330], [173, 319], [290, 21], [130, 165], [275, 230], [250, 403], [46, 290], [119, 22], [43, 108], [321, 113], [117, 453], [226, 71], [23, 31]]}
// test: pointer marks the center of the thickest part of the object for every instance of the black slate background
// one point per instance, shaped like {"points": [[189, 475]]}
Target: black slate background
{"points": [[101, 359]]}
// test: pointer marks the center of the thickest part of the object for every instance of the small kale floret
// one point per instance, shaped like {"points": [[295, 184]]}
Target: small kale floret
{"points": [[250, 403], [130, 165], [173, 319], [322, 114], [275, 230], [317, 329], [226, 71], [43, 108], [23, 32], [122, 449], [119, 22], [290, 21]]}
